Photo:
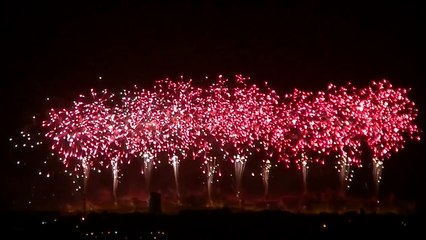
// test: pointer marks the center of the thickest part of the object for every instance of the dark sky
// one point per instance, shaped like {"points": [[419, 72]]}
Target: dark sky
{"points": [[61, 49]]}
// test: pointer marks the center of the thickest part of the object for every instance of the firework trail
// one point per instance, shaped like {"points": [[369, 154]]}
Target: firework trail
{"points": [[266, 167]]}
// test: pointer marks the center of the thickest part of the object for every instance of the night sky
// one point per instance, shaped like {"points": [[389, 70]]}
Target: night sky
{"points": [[61, 50]]}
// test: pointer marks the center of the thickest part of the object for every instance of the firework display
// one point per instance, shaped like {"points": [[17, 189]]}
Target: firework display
{"points": [[230, 121]]}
